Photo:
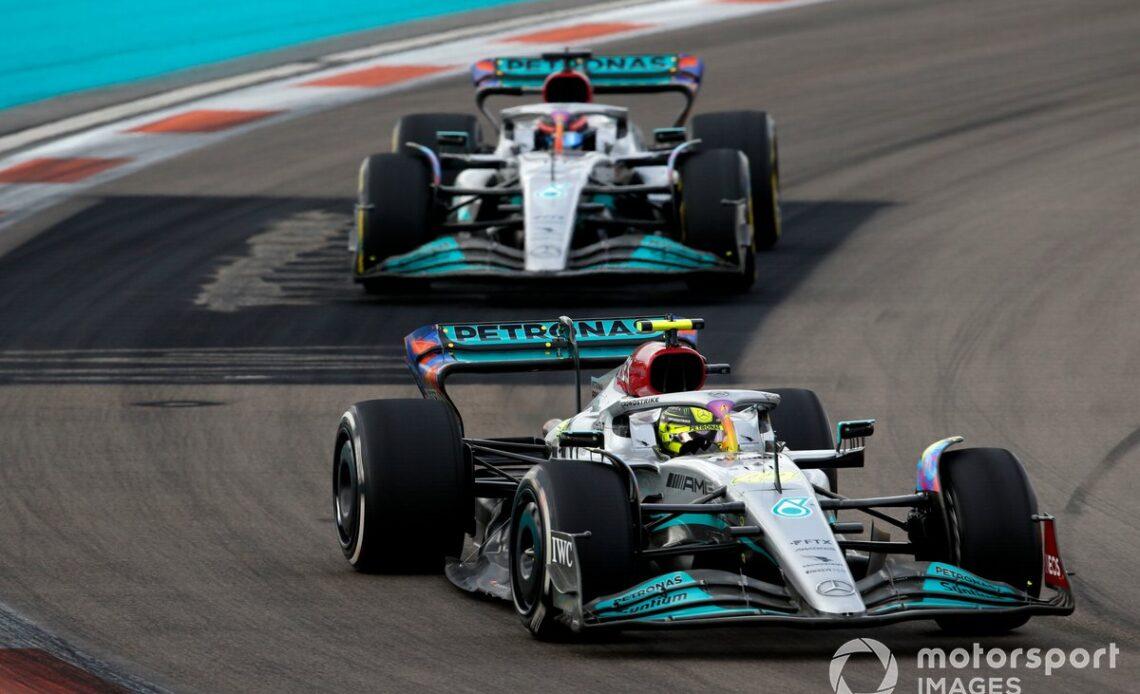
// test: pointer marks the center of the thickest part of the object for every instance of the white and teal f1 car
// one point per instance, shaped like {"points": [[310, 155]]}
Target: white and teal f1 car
{"points": [[664, 503], [570, 188]]}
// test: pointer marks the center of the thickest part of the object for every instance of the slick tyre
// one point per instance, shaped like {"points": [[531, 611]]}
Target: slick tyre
{"points": [[401, 500], [990, 506], [754, 134], [394, 211], [422, 128], [801, 422], [710, 180], [587, 500]]}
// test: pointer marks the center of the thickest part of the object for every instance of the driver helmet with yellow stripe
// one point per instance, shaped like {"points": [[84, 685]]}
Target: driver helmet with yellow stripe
{"points": [[687, 430]]}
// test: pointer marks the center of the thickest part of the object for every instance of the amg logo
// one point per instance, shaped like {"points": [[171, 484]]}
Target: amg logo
{"points": [[687, 483], [562, 552]]}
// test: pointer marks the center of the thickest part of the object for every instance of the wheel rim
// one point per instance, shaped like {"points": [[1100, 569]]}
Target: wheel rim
{"points": [[346, 494], [527, 552]]}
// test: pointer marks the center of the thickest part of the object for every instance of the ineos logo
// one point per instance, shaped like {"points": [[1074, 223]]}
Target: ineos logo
{"points": [[879, 650]]}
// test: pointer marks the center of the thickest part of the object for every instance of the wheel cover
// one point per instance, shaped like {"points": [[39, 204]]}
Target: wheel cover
{"points": [[526, 556], [346, 494]]}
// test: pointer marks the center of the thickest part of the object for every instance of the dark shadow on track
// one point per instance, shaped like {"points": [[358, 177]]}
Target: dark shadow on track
{"points": [[231, 290]]}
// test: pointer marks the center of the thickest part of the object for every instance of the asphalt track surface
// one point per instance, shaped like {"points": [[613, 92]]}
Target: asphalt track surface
{"points": [[960, 256]]}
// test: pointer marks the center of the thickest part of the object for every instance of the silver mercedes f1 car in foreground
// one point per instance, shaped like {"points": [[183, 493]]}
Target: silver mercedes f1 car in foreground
{"points": [[571, 189], [662, 503]]}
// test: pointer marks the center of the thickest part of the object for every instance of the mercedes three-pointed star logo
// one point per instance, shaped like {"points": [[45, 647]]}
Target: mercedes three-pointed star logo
{"points": [[834, 589]]}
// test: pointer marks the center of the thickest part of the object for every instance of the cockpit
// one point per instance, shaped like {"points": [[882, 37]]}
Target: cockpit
{"points": [[565, 128], [672, 432]]}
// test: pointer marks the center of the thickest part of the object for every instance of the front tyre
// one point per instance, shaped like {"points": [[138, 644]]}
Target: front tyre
{"points": [[710, 181], [990, 506], [402, 496], [754, 134], [394, 210], [587, 500]]}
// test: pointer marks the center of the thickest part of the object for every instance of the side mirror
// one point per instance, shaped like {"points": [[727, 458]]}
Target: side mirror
{"points": [[581, 439], [451, 138], [670, 136], [853, 431]]}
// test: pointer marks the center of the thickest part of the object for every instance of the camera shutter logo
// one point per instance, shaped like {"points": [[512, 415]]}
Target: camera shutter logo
{"points": [[854, 646]]}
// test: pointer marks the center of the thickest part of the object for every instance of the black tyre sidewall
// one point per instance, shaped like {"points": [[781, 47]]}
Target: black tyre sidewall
{"points": [[395, 208], [801, 421], [708, 178], [421, 128], [416, 488], [754, 134], [578, 497], [990, 503]]}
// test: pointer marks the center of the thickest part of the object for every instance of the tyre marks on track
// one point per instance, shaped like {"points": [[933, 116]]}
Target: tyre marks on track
{"points": [[299, 260], [193, 365]]}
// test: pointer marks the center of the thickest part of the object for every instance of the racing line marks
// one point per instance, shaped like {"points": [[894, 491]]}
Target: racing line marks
{"points": [[203, 365]]}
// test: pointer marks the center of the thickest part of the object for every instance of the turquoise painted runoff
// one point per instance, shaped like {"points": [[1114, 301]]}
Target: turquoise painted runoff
{"points": [[53, 47]]}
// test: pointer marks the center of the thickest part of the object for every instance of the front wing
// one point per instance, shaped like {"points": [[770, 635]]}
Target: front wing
{"points": [[475, 258], [902, 590]]}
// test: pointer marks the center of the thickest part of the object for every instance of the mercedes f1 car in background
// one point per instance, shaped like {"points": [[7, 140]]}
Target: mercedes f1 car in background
{"points": [[661, 503], [571, 188]]}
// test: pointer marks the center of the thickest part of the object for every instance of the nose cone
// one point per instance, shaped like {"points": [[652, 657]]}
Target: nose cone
{"points": [[798, 534]]}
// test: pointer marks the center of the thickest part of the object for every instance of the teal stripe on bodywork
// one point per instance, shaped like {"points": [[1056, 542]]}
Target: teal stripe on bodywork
{"points": [[648, 589], [659, 249], [702, 611], [950, 580], [442, 251], [693, 519], [751, 544]]}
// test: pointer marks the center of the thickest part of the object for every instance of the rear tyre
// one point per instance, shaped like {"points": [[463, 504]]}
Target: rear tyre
{"points": [[754, 134], [401, 501], [801, 422], [422, 128], [572, 497], [394, 212], [708, 179], [990, 506]]}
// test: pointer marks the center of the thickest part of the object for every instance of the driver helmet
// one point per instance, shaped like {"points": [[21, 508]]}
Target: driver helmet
{"points": [[559, 124], [687, 430]]}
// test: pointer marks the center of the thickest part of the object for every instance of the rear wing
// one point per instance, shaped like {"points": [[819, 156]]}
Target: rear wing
{"points": [[609, 74], [434, 352]]}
